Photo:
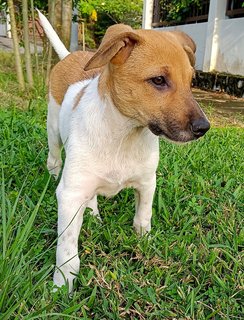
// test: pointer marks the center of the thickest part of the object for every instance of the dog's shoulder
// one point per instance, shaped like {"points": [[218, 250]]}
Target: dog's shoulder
{"points": [[69, 71]]}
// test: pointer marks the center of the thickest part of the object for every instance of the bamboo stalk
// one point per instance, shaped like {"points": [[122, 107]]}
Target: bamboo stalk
{"points": [[58, 17], [66, 22], [28, 63], [18, 63], [51, 9], [83, 36], [34, 37]]}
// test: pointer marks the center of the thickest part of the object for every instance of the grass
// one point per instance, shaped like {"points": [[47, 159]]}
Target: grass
{"points": [[189, 268]]}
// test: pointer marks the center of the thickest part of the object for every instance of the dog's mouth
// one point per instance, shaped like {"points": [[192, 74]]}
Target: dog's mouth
{"points": [[174, 133]]}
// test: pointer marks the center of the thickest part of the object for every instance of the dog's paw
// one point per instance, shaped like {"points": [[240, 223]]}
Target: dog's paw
{"points": [[92, 204], [54, 167], [55, 172], [142, 229], [96, 214], [60, 281]]}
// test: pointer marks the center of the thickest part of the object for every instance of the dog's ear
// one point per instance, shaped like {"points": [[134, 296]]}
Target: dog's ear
{"points": [[116, 47], [188, 45]]}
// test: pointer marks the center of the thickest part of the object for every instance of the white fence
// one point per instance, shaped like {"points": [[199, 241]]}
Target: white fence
{"points": [[220, 41]]}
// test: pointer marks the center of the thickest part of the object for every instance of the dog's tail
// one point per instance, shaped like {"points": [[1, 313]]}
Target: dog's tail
{"points": [[57, 44]]}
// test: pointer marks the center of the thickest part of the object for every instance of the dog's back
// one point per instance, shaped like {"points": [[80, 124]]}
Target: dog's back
{"points": [[62, 76]]}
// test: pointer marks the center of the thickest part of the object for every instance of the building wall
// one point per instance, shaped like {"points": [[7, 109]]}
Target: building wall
{"points": [[230, 54], [220, 41], [3, 26], [229, 41], [3, 32]]}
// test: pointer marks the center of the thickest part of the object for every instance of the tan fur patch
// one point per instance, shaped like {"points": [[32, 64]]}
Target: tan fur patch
{"points": [[69, 71], [132, 91], [79, 96]]}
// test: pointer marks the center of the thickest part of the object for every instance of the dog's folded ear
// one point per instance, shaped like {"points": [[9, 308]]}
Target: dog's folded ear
{"points": [[116, 47], [187, 43]]}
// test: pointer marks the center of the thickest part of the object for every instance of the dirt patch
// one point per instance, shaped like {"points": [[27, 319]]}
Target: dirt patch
{"points": [[220, 100], [222, 109]]}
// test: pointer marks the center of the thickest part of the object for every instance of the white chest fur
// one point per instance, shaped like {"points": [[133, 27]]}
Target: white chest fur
{"points": [[102, 142]]}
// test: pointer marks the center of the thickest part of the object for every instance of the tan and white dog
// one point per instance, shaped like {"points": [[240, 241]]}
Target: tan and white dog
{"points": [[108, 110]]}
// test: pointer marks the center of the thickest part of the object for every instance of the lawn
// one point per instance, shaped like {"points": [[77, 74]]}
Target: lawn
{"points": [[189, 267]]}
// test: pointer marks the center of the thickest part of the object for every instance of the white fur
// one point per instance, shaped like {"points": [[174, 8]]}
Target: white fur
{"points": [[105, 152]]}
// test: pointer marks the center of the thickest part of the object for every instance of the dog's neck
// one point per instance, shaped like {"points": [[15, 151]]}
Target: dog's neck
{"points": [[109, 123], [110, 114]]}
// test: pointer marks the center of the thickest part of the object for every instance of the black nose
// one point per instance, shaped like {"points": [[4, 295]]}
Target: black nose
{"points": [[199, 127]]}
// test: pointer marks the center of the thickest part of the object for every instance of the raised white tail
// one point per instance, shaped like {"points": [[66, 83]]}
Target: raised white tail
{"points": [[57, 44]]}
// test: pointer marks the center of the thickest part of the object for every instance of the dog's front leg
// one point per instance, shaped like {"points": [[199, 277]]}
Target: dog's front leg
{"points": [[71, 205], [144, 199]]}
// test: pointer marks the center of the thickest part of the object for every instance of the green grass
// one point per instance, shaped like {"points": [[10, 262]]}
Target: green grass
{"points": [[189, 268]]}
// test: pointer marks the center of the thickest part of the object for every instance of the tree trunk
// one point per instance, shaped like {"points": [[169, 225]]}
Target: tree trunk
{"points": [[57, 23], [51, 9], [58, 17], [28, 63], [18, 64], [34, 35], [66, 22]]}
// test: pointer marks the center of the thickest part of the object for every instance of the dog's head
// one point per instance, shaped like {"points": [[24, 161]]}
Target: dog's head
{"points": [[148, 75]]}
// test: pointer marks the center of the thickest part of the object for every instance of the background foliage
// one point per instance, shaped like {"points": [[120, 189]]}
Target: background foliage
{"points": [[40, 4], [99, 15], [178, 9]]}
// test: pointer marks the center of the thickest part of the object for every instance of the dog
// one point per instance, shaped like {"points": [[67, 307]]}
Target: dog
{"points": [[108, 109]]}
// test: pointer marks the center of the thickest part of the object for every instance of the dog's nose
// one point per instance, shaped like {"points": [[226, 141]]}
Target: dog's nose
{"points": [[199, 127]]}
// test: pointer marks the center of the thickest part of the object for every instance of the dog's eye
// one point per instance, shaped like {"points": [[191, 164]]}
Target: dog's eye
{"points": [[159, 82]]}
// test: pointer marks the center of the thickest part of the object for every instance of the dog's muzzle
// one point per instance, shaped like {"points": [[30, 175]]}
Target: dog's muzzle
{"points": [[173, 131]]}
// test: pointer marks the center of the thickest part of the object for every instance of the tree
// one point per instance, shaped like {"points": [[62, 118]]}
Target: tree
{"points": [[63, 20], [51, 9], [18, 64], [34, 32], [61, 10], [28, 63], [119, 11], [58, 17], [66, 22], [177, 10], [99, 15]]}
